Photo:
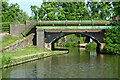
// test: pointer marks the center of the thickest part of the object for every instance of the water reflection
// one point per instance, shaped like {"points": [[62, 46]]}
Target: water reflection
{"points": [[93, 53], [76, 64]]}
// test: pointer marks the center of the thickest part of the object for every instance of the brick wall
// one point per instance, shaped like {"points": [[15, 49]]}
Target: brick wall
{"points": [[16, 29]]}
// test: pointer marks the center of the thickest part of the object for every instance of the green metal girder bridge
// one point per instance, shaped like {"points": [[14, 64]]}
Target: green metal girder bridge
{"points": [[70, 24]]}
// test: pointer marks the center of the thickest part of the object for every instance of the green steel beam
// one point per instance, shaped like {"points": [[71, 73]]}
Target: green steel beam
{"points": [[63, 24], [74, 27]]}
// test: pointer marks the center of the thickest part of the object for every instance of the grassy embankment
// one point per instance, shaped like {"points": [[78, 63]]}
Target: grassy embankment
{"points": [[8, 39], [13, 57], [25, 54]]}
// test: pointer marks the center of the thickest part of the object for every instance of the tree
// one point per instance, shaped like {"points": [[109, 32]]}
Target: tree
{"points": [[13, 13], [116, 8], [113, 35], [61, 11], [100, 10]]}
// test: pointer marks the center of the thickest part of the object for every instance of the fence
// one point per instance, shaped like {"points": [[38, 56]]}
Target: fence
{"points": [[4, 29]]}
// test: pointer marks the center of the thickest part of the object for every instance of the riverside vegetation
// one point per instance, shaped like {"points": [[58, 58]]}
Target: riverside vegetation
{"points": [[112, 41], [6, 40], [25, 54], [90, 46], [12, 57], [72, 40]]}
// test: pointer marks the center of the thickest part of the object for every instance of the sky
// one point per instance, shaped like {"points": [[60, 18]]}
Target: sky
{"points": [[25, 4]]}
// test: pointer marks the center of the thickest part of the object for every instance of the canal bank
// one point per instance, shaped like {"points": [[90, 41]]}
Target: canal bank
{"points": [[15, 51], [27, 54]]}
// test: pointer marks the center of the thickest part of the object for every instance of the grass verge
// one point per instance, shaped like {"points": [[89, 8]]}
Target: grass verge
{"points": [[8, 39], [10, 58]]}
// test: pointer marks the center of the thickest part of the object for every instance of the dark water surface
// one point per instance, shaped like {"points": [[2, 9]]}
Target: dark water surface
{"points": [[76, 64]]}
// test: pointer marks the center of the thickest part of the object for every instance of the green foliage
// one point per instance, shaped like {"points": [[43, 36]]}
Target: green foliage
{"points": [[70, 44], [41, 54], [116, 8], [13, 13], [5, 24], [72, 40], [81, 40], [100, 10], [61, 11], [25, 54], [112, 41], [72, 35], [91, 46], [75, 10], [112, 48], [6, 60]]}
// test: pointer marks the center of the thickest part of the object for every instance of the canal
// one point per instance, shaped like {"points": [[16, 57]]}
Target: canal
{"points": [[77, 64]]}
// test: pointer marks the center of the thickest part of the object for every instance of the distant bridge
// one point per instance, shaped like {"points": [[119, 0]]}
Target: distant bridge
{"points": [[48, 32]]}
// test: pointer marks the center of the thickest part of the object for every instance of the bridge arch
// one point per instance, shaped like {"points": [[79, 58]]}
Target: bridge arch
{"points": [[90, 36]]}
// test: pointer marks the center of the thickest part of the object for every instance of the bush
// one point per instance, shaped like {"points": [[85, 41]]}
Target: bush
{"points": [[112, 41], [5, 24], [91, 46], [6, 60], [70, 44], [112, 48]]}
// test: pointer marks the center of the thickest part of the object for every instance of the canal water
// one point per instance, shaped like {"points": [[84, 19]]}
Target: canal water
{"points": [[77, 64]]}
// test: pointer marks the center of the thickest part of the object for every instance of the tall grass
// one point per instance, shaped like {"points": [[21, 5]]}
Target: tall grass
{"points": [[6, 60]]}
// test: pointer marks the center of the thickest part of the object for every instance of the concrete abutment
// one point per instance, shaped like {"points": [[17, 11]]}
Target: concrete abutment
{"points": [[41, 39]]}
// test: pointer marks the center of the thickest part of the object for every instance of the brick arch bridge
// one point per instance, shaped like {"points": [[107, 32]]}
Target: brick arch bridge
{"points": [[46, 38]]}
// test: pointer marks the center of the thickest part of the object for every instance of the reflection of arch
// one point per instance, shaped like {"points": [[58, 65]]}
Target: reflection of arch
{"points": [[57, 38]]}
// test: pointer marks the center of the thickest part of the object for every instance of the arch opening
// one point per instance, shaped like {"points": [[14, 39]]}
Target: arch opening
{"points": [[59, 37]]}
